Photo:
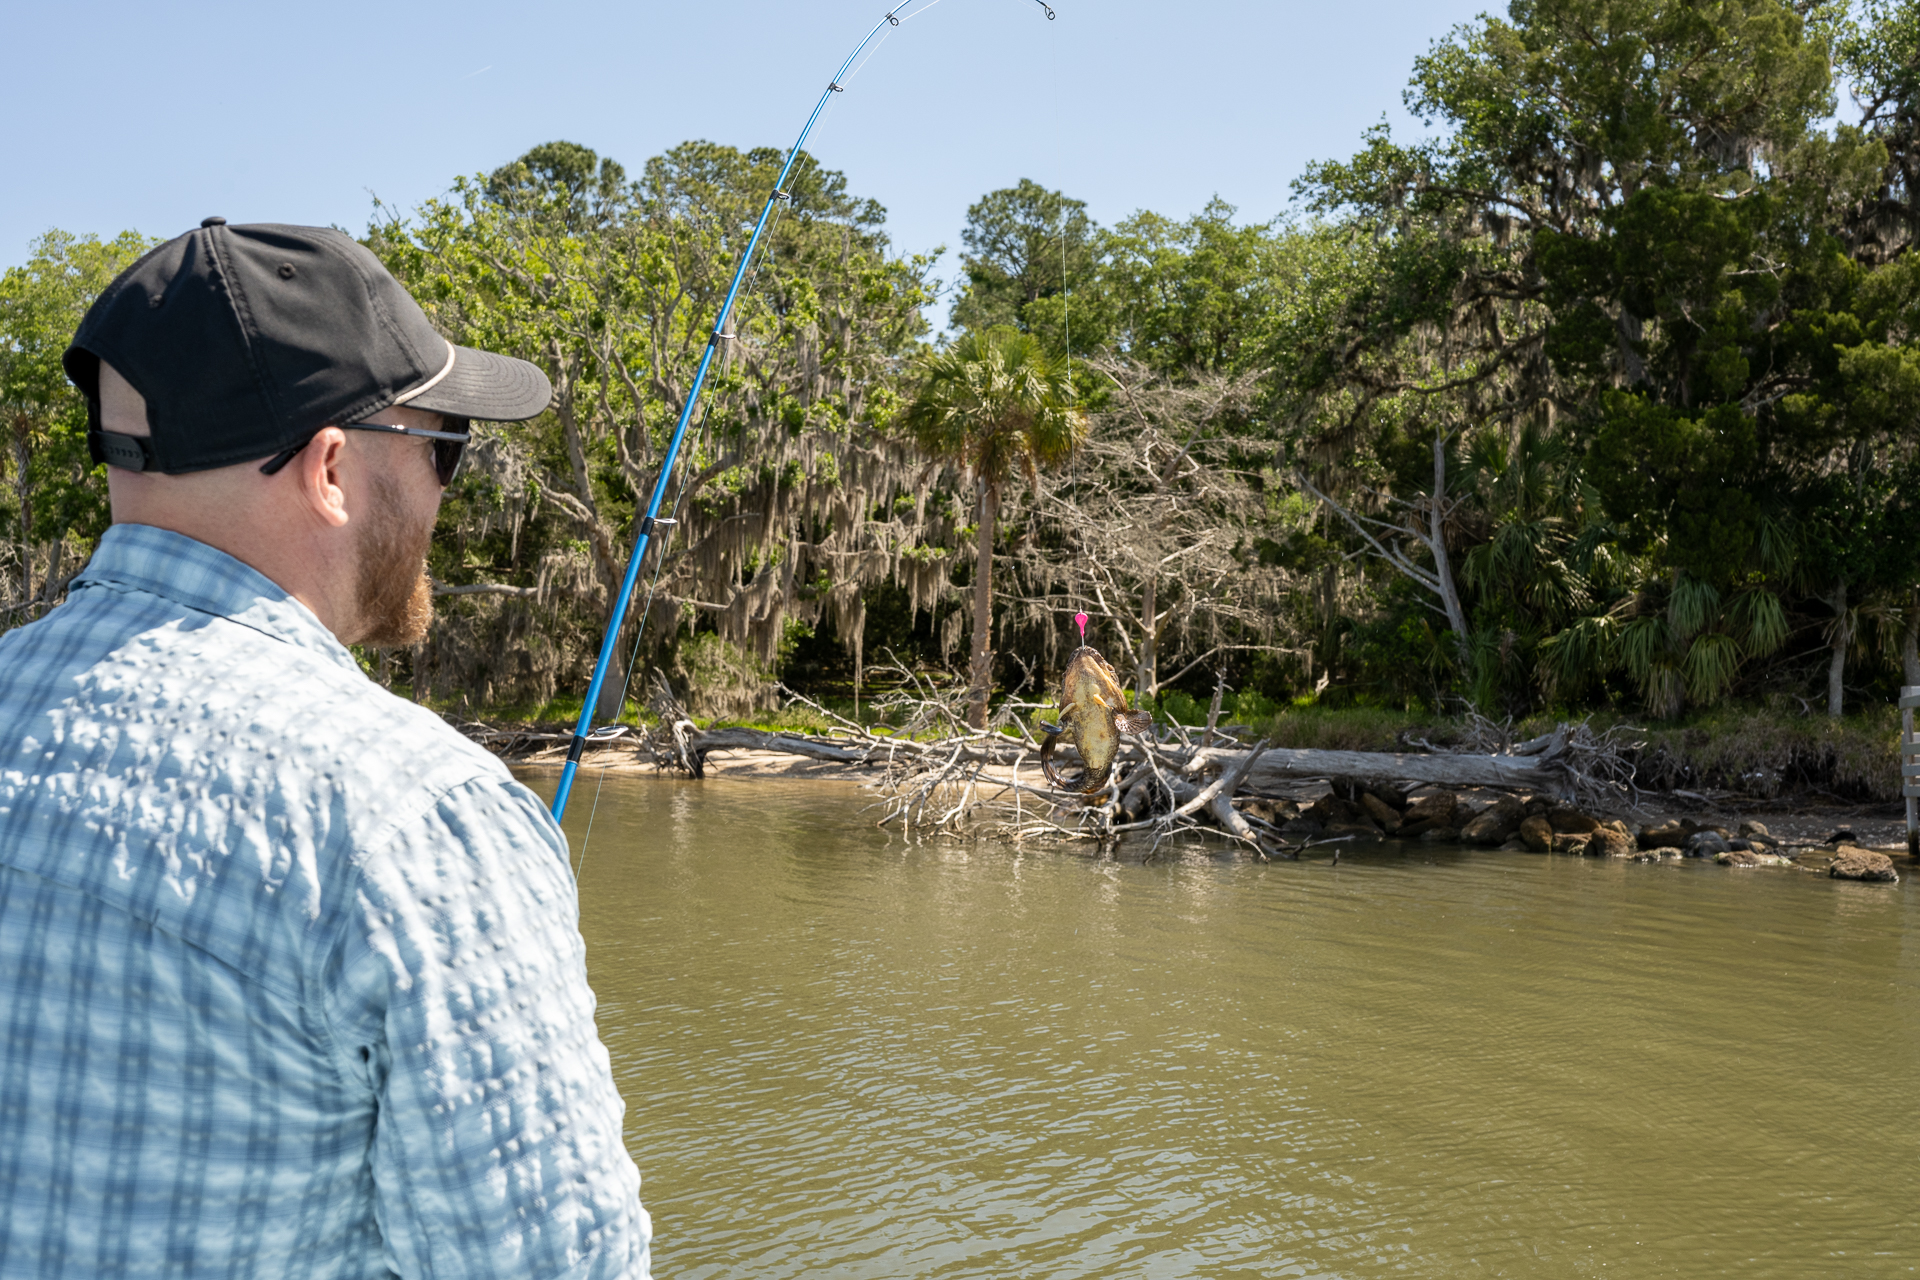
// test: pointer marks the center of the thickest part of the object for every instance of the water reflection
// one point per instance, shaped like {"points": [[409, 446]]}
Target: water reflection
{"points": [[846, 1055]]}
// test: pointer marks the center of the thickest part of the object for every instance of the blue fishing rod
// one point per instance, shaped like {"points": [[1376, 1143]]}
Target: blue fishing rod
{"points": [[651, 521]]}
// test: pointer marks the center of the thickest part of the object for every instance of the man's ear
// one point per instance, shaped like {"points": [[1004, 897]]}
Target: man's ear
{"points": [[316, 470]]}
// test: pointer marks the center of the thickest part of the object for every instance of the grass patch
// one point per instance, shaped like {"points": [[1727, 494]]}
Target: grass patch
{"points": [[1765, 754], [1318, 728]]}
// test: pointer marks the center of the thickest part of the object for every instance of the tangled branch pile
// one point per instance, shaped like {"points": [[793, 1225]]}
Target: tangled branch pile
{"points": [[937, 776]]}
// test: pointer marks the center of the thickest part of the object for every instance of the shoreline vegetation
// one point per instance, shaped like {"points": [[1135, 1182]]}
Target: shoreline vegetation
{"points": [[1817, 794], [1598, 392], [1584, 418]]}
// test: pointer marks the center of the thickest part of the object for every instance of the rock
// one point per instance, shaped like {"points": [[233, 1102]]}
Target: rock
{"points": [[1533, 806], [1538, 833], [1570, 821], [1494, 824], [1863, 864], [1751, 829], [1388, 794], [1380, 811], [1359, 827], [1468, 805], [1673, 832], [1705, 844], [1748, 858], [1435, 807], [1517, 845], [1301, 828], [1843, 836], [1609, 842], [1331, 808], [1571, 842], [1439, 835]]}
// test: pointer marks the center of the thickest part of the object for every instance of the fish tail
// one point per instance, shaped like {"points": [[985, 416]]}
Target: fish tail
{"points": [[1047, 745]]}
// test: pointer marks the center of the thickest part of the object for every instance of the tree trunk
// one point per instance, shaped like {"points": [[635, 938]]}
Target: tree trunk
{"points": [[702, 741], [1386, 541], [1437, 544], [1277, 765], [980, 677], [1629, 332], [1910, 644], [1842, 641], [1146, 679], [613, 690]]}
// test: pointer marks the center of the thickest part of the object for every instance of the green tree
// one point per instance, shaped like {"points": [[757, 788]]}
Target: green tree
{"points": [[1025, 244], [1617, 242], [57, 495], [1878, 53], [996, 403], [1184, 298], [611, 286]]}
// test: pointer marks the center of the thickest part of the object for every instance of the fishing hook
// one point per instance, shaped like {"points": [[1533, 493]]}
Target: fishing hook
{"points": [[583, 731]]}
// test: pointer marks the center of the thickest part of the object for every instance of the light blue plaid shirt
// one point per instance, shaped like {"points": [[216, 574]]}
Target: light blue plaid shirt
{"points": [[291, 980]]}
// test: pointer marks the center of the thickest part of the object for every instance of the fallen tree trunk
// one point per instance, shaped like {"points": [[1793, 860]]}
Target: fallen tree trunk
{"points": [[705, 740], [1276, 764]]}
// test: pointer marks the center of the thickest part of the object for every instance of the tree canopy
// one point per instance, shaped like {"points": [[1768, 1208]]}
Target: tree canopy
{"points": [[1603, 390]]}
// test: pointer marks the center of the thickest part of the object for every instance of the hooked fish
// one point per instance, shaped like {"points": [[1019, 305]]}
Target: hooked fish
{"points": [[1093, 715]]}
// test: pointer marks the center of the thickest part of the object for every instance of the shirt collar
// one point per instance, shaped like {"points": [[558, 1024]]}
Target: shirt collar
{"points": [[140, 557]]}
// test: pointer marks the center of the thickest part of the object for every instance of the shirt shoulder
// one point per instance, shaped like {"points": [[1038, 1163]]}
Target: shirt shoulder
{"points": [[198, 773]]}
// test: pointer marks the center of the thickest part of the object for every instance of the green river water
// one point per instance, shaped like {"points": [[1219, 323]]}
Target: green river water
{"points": [[848, 1055]]}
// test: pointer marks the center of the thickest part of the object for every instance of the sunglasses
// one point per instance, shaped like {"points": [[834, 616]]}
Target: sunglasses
{"points": [[447, 447]]}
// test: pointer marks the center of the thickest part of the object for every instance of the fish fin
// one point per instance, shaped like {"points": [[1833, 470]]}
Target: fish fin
{"points": [[1134, 721], [1052, 730]]}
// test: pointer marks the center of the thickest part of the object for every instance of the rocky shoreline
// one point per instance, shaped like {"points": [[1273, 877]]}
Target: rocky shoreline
{"points": [[1843, 843], [1522, 823]]}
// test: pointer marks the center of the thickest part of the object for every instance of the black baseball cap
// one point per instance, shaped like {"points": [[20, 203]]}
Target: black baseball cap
{"points": [[247, 340]]}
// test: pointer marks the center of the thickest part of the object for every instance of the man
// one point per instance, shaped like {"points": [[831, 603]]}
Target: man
{"points": [[291, 982]]}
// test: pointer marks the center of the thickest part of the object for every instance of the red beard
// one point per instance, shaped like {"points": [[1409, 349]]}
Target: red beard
{"points": [[394, 596]]}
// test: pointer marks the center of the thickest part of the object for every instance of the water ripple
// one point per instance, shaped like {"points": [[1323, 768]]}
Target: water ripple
{"points": [[850, 1056]]}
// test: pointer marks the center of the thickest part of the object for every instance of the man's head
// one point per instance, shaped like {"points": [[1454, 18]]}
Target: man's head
{"points": [[274, 392]]}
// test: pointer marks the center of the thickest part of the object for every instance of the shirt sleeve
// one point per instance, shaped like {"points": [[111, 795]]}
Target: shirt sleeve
{"points": [[459, 994]]}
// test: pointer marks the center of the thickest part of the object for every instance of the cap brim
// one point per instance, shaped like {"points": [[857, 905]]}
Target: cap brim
{"points": [[488, 387]]}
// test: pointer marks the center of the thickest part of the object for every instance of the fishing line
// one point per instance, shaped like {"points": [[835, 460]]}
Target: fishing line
{"points": [[583, 730], [1066, 298], [1066, 320], [626, 684]]}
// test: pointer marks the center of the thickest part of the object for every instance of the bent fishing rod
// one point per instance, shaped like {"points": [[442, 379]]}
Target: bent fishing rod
{"points": [[652, 520]]}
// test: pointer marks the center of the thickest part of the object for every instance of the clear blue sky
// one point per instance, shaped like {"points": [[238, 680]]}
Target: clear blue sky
{"points": [[153, 115]]}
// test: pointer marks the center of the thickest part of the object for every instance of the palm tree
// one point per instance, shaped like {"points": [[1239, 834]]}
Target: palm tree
{"points": [[992, 402]]}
